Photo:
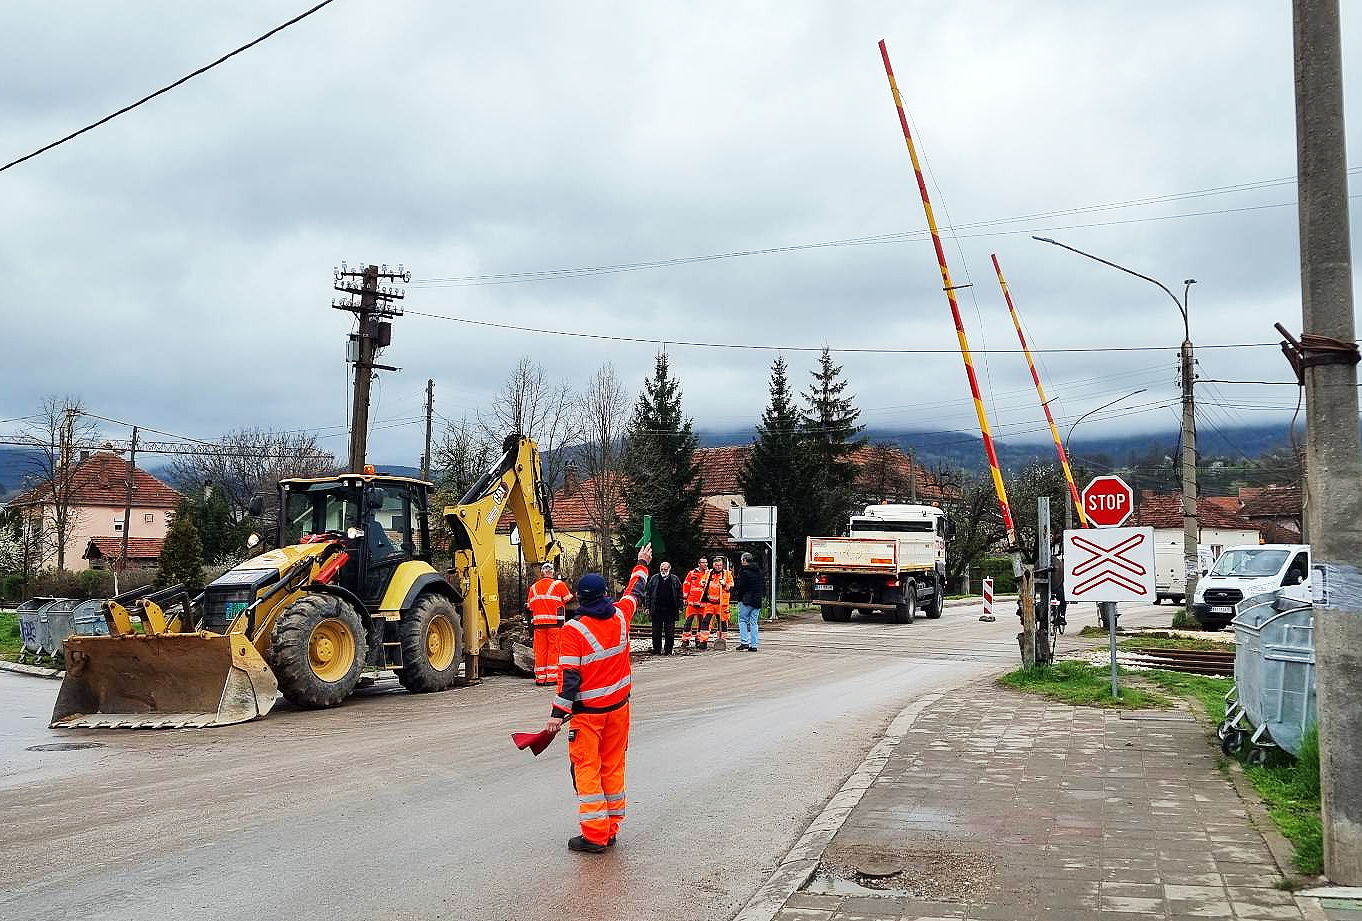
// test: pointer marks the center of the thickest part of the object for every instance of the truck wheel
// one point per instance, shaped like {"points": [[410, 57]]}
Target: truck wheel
{"points": [[431, 636], [836, 615], [317, 651], [905, 612], [936, 604]]}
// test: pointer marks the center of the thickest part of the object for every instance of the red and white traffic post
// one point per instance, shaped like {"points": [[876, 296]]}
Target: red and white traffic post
{"points": [[987, 616]]}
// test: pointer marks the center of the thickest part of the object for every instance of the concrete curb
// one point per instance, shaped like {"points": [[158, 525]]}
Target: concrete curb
{"points": [[36, 671], [802, 860]]}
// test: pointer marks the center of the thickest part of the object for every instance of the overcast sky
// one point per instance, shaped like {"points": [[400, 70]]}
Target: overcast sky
{"points": [[174, 267]]}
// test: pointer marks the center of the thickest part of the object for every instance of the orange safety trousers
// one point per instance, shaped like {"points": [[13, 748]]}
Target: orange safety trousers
{"points": [[597, 743], [695, 619], [546, 643]]}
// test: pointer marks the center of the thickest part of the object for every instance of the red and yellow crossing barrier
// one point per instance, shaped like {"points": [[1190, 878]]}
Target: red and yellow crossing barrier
{"points": [[1040, 392], [984, 433]]}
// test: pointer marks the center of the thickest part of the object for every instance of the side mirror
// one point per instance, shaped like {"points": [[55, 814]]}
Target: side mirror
{"points": [[256, 507]]}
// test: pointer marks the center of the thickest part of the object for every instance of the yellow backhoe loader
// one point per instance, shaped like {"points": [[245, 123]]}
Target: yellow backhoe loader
{"points": [[349, 587]]}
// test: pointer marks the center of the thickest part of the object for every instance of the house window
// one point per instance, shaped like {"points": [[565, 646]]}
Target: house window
{"points": [[149, 517], [118, 525]]}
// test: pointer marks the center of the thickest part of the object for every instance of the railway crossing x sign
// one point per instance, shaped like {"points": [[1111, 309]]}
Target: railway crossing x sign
{"points": [[1109, 564]]}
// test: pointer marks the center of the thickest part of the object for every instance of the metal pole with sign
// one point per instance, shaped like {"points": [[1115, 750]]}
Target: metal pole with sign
{"points": [[1107, 563], [756, 524]]}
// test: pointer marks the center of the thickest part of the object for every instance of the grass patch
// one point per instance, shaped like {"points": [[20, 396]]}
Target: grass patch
{"points": [[9, 635], [1081, 685], [1165, 641], [1205, 688], [1291, 791], [1184, 621], [1094, 630]]}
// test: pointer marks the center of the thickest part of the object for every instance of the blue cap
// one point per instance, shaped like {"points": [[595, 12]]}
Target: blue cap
{"points": [[591, 587]]}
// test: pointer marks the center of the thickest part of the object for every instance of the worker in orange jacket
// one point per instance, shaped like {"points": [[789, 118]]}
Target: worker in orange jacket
{"points": [[593, 692], [713, 595], [547, 599], [695, 605], [724, 608]]}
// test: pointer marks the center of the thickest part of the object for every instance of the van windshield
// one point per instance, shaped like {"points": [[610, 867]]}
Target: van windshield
{"points": [[1250, 564], [879, 524]]}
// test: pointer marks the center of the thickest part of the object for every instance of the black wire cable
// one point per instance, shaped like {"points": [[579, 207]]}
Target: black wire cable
{"points": [[165, 89]]}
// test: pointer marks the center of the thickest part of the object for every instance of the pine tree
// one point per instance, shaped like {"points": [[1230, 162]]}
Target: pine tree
{"points": [[777, 472], [182, 552], [660, 477], [221, 538], [831, 442]]}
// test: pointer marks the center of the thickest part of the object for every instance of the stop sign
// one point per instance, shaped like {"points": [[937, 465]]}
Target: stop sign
{"points": [[1108, 501]]}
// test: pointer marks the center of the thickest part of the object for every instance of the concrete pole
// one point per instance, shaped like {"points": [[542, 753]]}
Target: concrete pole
{"points": [[1333, 453], [1043, 638], [1191, 532]]}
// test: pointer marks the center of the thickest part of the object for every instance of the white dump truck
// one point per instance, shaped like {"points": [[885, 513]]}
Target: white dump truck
{"points": [[893, 559]]}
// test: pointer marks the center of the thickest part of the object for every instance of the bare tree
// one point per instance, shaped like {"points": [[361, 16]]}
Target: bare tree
{"points": [[250, 462], [460, 456], [536, 408], [603, 409], [60, 431]]}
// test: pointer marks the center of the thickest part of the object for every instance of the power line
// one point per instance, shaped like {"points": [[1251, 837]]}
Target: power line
{"points": [[818, 348], [165, 89]]}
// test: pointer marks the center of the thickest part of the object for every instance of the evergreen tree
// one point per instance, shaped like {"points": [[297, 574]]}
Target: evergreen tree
{"points": [[777, 472], [221, 538], [660, 477], [182, 552], [831, 441]]}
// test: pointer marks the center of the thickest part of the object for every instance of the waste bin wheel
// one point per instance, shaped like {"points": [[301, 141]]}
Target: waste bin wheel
{"points": [[1233, 742]]}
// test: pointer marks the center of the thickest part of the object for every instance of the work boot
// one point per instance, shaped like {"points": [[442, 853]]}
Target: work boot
{"points": [[611, 842], [580, 844], [743, 647], [701, 645]]}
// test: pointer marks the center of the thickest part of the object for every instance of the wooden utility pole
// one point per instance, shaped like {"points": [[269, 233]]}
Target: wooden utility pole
{"points": [[373, 309], [1327, 357], [127, 500], [430, 411], [1027, 588]]}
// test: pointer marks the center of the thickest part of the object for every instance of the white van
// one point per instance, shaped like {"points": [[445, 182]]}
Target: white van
{"points": [[1242, 572]]}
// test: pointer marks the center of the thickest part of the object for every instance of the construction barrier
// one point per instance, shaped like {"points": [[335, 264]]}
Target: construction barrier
{"points": [[987, 616]]}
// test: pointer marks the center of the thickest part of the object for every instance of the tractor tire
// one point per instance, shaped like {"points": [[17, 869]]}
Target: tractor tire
{"points": [[317, 651], [905, 612], [432, 642], [936, 604]]}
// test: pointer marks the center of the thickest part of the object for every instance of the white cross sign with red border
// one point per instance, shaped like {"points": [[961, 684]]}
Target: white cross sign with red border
{"points": [[1109, 564]]}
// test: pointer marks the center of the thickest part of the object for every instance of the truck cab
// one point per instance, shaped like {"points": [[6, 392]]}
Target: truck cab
{"points": [[1242, 572]]}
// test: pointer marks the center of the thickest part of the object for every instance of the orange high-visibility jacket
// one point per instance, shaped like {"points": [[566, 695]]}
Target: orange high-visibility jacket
{"points": [[712, 588], [546, 600], [726, 589], [693, 589], [593, 660]]}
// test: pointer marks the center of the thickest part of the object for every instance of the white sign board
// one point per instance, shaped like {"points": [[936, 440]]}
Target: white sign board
{"points": [[752, 522], [1109, 564]]}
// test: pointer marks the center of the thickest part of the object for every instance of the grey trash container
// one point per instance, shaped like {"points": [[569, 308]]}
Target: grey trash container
{"points": [[88, 618], [55, 625], [30, 630], [1273, 701]]}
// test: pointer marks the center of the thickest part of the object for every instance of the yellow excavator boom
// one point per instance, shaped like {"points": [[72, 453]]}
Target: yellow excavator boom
{"points": [[514, 482]]}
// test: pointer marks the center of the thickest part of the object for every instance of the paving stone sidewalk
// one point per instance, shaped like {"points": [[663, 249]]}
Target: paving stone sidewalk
{"points": [[1001, 806]]}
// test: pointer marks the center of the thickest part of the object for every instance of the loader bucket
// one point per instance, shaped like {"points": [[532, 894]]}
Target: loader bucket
{"points": [[165, 681]]}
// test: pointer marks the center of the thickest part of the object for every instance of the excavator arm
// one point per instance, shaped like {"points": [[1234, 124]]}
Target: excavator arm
{"points": [[514, 482]]}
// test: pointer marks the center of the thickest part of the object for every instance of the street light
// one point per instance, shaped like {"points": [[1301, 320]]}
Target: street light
{"points": [[1094, 412], [1190, 529]]}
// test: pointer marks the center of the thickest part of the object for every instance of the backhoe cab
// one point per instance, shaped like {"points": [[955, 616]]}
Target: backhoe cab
{"points": [[349, 586]]}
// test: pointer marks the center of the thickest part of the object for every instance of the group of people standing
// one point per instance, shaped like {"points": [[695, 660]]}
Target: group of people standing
{"points": [[705, 598]]}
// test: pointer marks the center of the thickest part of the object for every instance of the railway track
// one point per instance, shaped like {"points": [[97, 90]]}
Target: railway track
{"points": [[1191, 661]]}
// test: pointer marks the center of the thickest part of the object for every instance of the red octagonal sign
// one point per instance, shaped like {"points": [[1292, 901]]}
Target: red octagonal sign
{"points": [[1108, 501]]}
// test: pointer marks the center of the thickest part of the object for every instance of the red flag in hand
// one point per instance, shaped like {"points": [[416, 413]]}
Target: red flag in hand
{"points": [[534, 741]]}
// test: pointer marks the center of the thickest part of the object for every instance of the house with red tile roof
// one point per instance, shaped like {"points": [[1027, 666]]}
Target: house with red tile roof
{"points": [[1218, 529], [1276, 510], [98, 490]]}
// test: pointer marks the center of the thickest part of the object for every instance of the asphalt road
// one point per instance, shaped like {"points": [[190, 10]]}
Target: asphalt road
{"points": [[401, 806]]}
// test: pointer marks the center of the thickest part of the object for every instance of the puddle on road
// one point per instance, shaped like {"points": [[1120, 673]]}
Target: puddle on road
{"points": [[63, 746]]}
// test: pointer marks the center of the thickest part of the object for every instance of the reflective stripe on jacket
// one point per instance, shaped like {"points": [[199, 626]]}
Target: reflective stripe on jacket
{"points": [[593, 658]]}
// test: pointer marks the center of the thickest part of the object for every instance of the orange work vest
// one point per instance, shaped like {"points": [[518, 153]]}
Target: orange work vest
{"points": [[546, 600], [598, 649]]}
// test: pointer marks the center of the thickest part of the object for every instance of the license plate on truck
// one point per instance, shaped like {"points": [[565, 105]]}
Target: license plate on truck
{"points": [[1222, 610]]}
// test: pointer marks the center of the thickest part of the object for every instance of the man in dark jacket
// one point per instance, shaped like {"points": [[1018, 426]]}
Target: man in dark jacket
{"points": [[664, 604], [750, 589]]}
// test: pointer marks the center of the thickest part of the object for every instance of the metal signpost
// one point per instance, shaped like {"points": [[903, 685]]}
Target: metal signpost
{"points": [[756, 524], [1109, 564]]}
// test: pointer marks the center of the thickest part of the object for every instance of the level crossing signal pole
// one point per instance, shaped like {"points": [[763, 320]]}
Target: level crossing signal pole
{"points": [[373, 306]]}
